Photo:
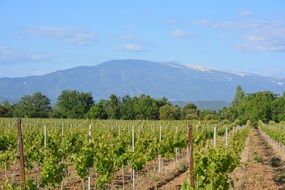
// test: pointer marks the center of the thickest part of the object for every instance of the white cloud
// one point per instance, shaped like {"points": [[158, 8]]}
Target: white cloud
{"points": [[236, 25], [78, 37], [256, 35], [264, 45], [246, 13], [133, 47], [11, 56], [127, 37], [172, 21], [179, 33], [202, 21], [270, 37]]}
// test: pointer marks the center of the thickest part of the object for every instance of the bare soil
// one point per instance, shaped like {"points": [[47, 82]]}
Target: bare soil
{"points": [[147, 178], [261, 167]]}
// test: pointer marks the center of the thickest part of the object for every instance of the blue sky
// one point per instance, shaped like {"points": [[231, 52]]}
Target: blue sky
{"points": [[38, 37]]}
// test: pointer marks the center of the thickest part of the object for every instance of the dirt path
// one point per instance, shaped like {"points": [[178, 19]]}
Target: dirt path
{"points": [[172, 177], [175, 184], [261, 168]]}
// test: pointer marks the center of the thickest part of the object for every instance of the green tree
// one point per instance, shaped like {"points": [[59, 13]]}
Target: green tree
{"points": [[239, 95], [278, 109], [97, 111], [256, 106], [190, 111], [6, 109], [127, 108], [208, 115], [36, 105], [3, 111], [73, 104], [169, 112], [227, 113], [112, 107], [146, 107], [161, 102]]}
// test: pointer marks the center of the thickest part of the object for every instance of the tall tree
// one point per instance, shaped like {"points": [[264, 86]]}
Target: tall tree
{"points": [[127, 108], [36, 105], [169, 112], [278, 109], [256, 106], [239, 95], [190, 111], [98, 111], [146, 107], [73, 104], [112, 107]]}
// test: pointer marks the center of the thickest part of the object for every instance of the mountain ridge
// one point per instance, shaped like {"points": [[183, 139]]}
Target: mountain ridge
{"points": [[175, 81]]}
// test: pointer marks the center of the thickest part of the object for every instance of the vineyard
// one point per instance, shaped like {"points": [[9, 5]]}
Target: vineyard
{"points": [[116, 154]]}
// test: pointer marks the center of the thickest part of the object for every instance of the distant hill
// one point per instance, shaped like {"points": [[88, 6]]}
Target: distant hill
{"points": [[175, 81], [204, 105]]}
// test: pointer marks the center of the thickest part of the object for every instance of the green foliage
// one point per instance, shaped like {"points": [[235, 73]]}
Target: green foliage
{"points": [[264, 106], [36, 105], [278, 109], [53, 171], [190, 111], [97, 111], [6, 109], [208, 115], [127, 108], [240, 94], [146, 107], [256, 107], [73, 104], [213, 165], [112, 107], [84, 160], [274, 131], [108, 148], [104, 163], [168, 112]]}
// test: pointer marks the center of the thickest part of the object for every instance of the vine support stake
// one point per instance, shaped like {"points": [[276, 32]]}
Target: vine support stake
{"points": [[45, 136], [133, 149], [62, 130], [226, 137], [191, 160], [176, 149], [215, 136], [21, 152], [90, 169], [159, 156]]}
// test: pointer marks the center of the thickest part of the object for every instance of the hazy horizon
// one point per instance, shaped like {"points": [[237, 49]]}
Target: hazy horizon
{"points": [[193, 66], [42, 37]]}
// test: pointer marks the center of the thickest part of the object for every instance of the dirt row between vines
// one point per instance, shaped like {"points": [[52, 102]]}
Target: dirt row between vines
{"points": [[147, 178], [262, 165]]}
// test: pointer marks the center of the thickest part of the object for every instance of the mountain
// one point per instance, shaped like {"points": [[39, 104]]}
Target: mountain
{"points": [[204, 104], [175, 81]]}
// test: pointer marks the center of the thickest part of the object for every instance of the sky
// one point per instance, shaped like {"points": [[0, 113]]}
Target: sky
{"points": [[38, 37]]}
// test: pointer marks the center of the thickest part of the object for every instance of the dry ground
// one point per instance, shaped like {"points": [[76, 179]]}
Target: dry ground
{"points": [[261, 168]]}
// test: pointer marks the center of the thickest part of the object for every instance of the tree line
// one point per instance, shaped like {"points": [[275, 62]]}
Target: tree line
{"points": [[264, 105], [78, 105]]}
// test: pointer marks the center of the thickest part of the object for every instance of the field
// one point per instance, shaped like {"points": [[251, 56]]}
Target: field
{"points": [[138, 154]]}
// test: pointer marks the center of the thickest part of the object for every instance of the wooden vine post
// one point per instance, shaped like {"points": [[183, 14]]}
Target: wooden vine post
{"points": [[21, 153], [133, 150], [90, 172], [191, 160]]}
